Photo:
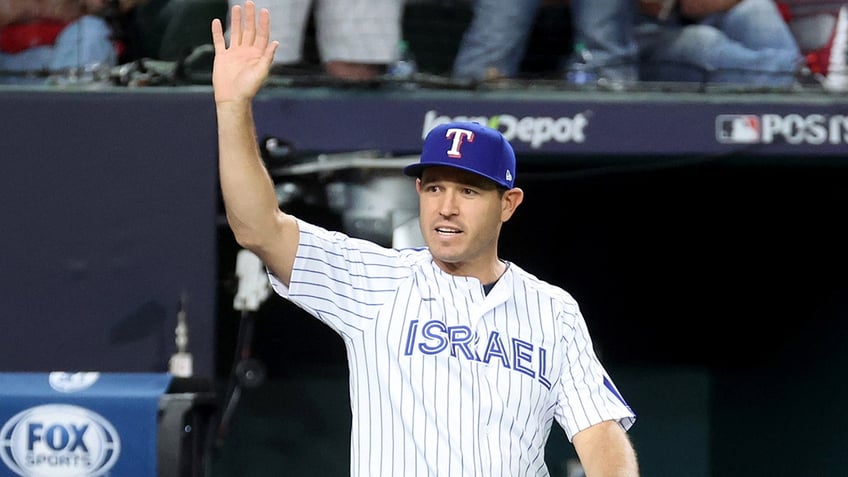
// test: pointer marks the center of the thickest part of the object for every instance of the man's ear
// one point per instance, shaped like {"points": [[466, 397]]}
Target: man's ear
{"points": [[511, 200]]}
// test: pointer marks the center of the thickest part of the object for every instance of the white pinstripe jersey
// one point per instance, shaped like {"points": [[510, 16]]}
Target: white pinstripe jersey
{"points": [[445, 380]]}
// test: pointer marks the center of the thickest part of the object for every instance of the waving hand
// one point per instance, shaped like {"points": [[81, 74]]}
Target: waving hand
{"points": [[240, 68]]}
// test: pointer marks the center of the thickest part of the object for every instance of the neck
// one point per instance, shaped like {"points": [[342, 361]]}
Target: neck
{"points": [[488, 273]]}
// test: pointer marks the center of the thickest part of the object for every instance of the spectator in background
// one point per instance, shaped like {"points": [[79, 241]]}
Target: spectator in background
{"points": [[356, 39], [619, 42], [494, 43], [721, 41], [604, 39], [821, 30], [43, 37], [744, 42]]}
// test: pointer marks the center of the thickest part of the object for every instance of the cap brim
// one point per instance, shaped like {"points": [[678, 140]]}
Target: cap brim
{"points": [[415, 170]]}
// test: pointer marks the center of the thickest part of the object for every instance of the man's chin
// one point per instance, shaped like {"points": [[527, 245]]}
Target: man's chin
{"points": [[446, 258]]}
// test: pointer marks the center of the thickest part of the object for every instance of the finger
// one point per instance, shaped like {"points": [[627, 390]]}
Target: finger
{"points": [[235, 26], [218, 36], [249, 34], [268, 54], [264, 33]]}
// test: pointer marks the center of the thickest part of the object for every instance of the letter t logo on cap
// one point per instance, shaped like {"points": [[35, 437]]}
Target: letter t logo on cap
{"points": [[459, 137]]}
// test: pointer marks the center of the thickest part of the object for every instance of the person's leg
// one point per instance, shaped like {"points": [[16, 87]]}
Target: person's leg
{"points": [[672, 53], [702, 53], [494, 43], [26, 66], [759, 26], [357, 39], [732, 48], [606, 29], [84, 43]]}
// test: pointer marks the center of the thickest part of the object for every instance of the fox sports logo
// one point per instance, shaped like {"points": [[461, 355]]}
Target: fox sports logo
{"points": [[58, 440]]}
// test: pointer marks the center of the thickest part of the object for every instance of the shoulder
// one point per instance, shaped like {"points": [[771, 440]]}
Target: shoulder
{"points": [[415, 255], [560, 298], [317, 240]]}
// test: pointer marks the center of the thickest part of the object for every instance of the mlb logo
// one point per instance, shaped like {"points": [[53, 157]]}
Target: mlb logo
{"points": [[738, 129]]}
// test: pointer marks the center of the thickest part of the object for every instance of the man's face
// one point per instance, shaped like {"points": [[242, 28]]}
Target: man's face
{"points": [[461, 215]]}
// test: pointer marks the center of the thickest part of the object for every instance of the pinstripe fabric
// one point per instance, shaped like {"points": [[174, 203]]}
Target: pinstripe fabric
{"points": [[444, 380]]}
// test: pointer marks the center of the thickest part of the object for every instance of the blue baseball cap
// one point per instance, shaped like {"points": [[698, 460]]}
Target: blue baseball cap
{"points": [[471, 147]]}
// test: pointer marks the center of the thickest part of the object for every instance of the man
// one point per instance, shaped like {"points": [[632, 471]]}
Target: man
{"points": [[733, 42], [459, 361], [44, 37]]}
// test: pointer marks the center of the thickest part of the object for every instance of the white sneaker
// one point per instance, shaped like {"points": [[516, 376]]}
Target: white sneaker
{"points": [[836, 78]]}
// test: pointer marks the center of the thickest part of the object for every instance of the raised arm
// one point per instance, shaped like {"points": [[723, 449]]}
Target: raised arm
{"points": [[606, 451], [238, 72]]}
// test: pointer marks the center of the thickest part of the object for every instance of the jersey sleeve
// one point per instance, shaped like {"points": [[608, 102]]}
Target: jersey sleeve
{"points": [[586, 394], [342, 281]]}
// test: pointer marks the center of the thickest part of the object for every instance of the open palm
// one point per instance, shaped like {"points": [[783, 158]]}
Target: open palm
{"points": [[239, 70]]}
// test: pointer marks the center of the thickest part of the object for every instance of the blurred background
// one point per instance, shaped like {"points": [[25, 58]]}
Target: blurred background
{"points": [[700, 226]]}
